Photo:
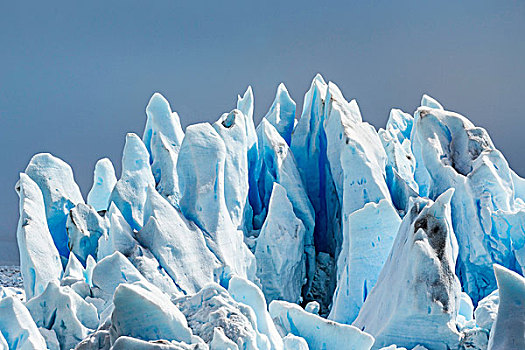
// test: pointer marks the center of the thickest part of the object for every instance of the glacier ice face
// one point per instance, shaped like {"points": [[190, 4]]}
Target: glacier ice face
{"points": [[508, 331], [112, 271], [200, 167], [282, 113], [129, 194], [357, 158], [61, 309], [451, 152], [466, 308], [417, 288], [60, 192], [73, 272], [17, 328], [12, 292], [245, 105], [370, 233], [317, 331], [3, 342], [154, 316], [121, 239], [104, 181], [246, 292], [487, 310], [368, 218], [309, 149], [119, 236], [161, 119], [163, 137], [292, 342], [50, 337], [84, 228], [278, 165], [98, 340], [39, 258], [401, 163], [280, 250], [232, 128], [178, 245], [309, 146], [221, 342]]}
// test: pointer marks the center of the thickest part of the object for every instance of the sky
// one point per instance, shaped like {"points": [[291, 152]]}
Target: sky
{"points": [[75, 77]]}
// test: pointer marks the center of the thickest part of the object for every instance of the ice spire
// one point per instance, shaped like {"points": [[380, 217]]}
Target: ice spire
{"points": [[104, 180], [163, 136], [60, 191], [427, 101], [282, 113], [39, 259], [232, 128], [200, 168], [129, 194], [508, 331], [245, 104], [417, 290]]}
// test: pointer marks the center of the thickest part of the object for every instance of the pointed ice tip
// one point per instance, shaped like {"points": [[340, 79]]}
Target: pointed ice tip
{"points": [[157, 102], [318, 78], [46, 159], [132, 138], [245, 103], [104, 167], [248, 94], [135, 155], [440, 205], [283, 96], [23, 182], [446, 196], [510, 283], [156, 98], [334, 92], [427, 101], [74, 267], [264, 123]]}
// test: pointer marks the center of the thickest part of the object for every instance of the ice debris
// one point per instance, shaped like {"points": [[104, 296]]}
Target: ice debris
{"points": [[318, 332]]}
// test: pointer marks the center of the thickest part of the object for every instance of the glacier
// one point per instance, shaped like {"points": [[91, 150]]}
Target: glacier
{"points": [[309, 230]]}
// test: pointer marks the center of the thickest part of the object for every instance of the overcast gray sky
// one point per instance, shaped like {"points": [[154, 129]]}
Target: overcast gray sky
{"points": [[76, 76]]}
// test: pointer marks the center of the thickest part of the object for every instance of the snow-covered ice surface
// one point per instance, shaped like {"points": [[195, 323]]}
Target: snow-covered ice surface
{"points": [[311, 233]]}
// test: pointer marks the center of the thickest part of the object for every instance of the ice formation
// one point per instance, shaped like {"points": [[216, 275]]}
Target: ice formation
{"points": [[320, 232], [318, 332], [39, 259], [417, 289], [508, 330], [104, 180], [17, 328], [60, 191]]}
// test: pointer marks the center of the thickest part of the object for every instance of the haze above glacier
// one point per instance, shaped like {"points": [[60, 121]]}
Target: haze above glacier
{"points": [[75, 80]]}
